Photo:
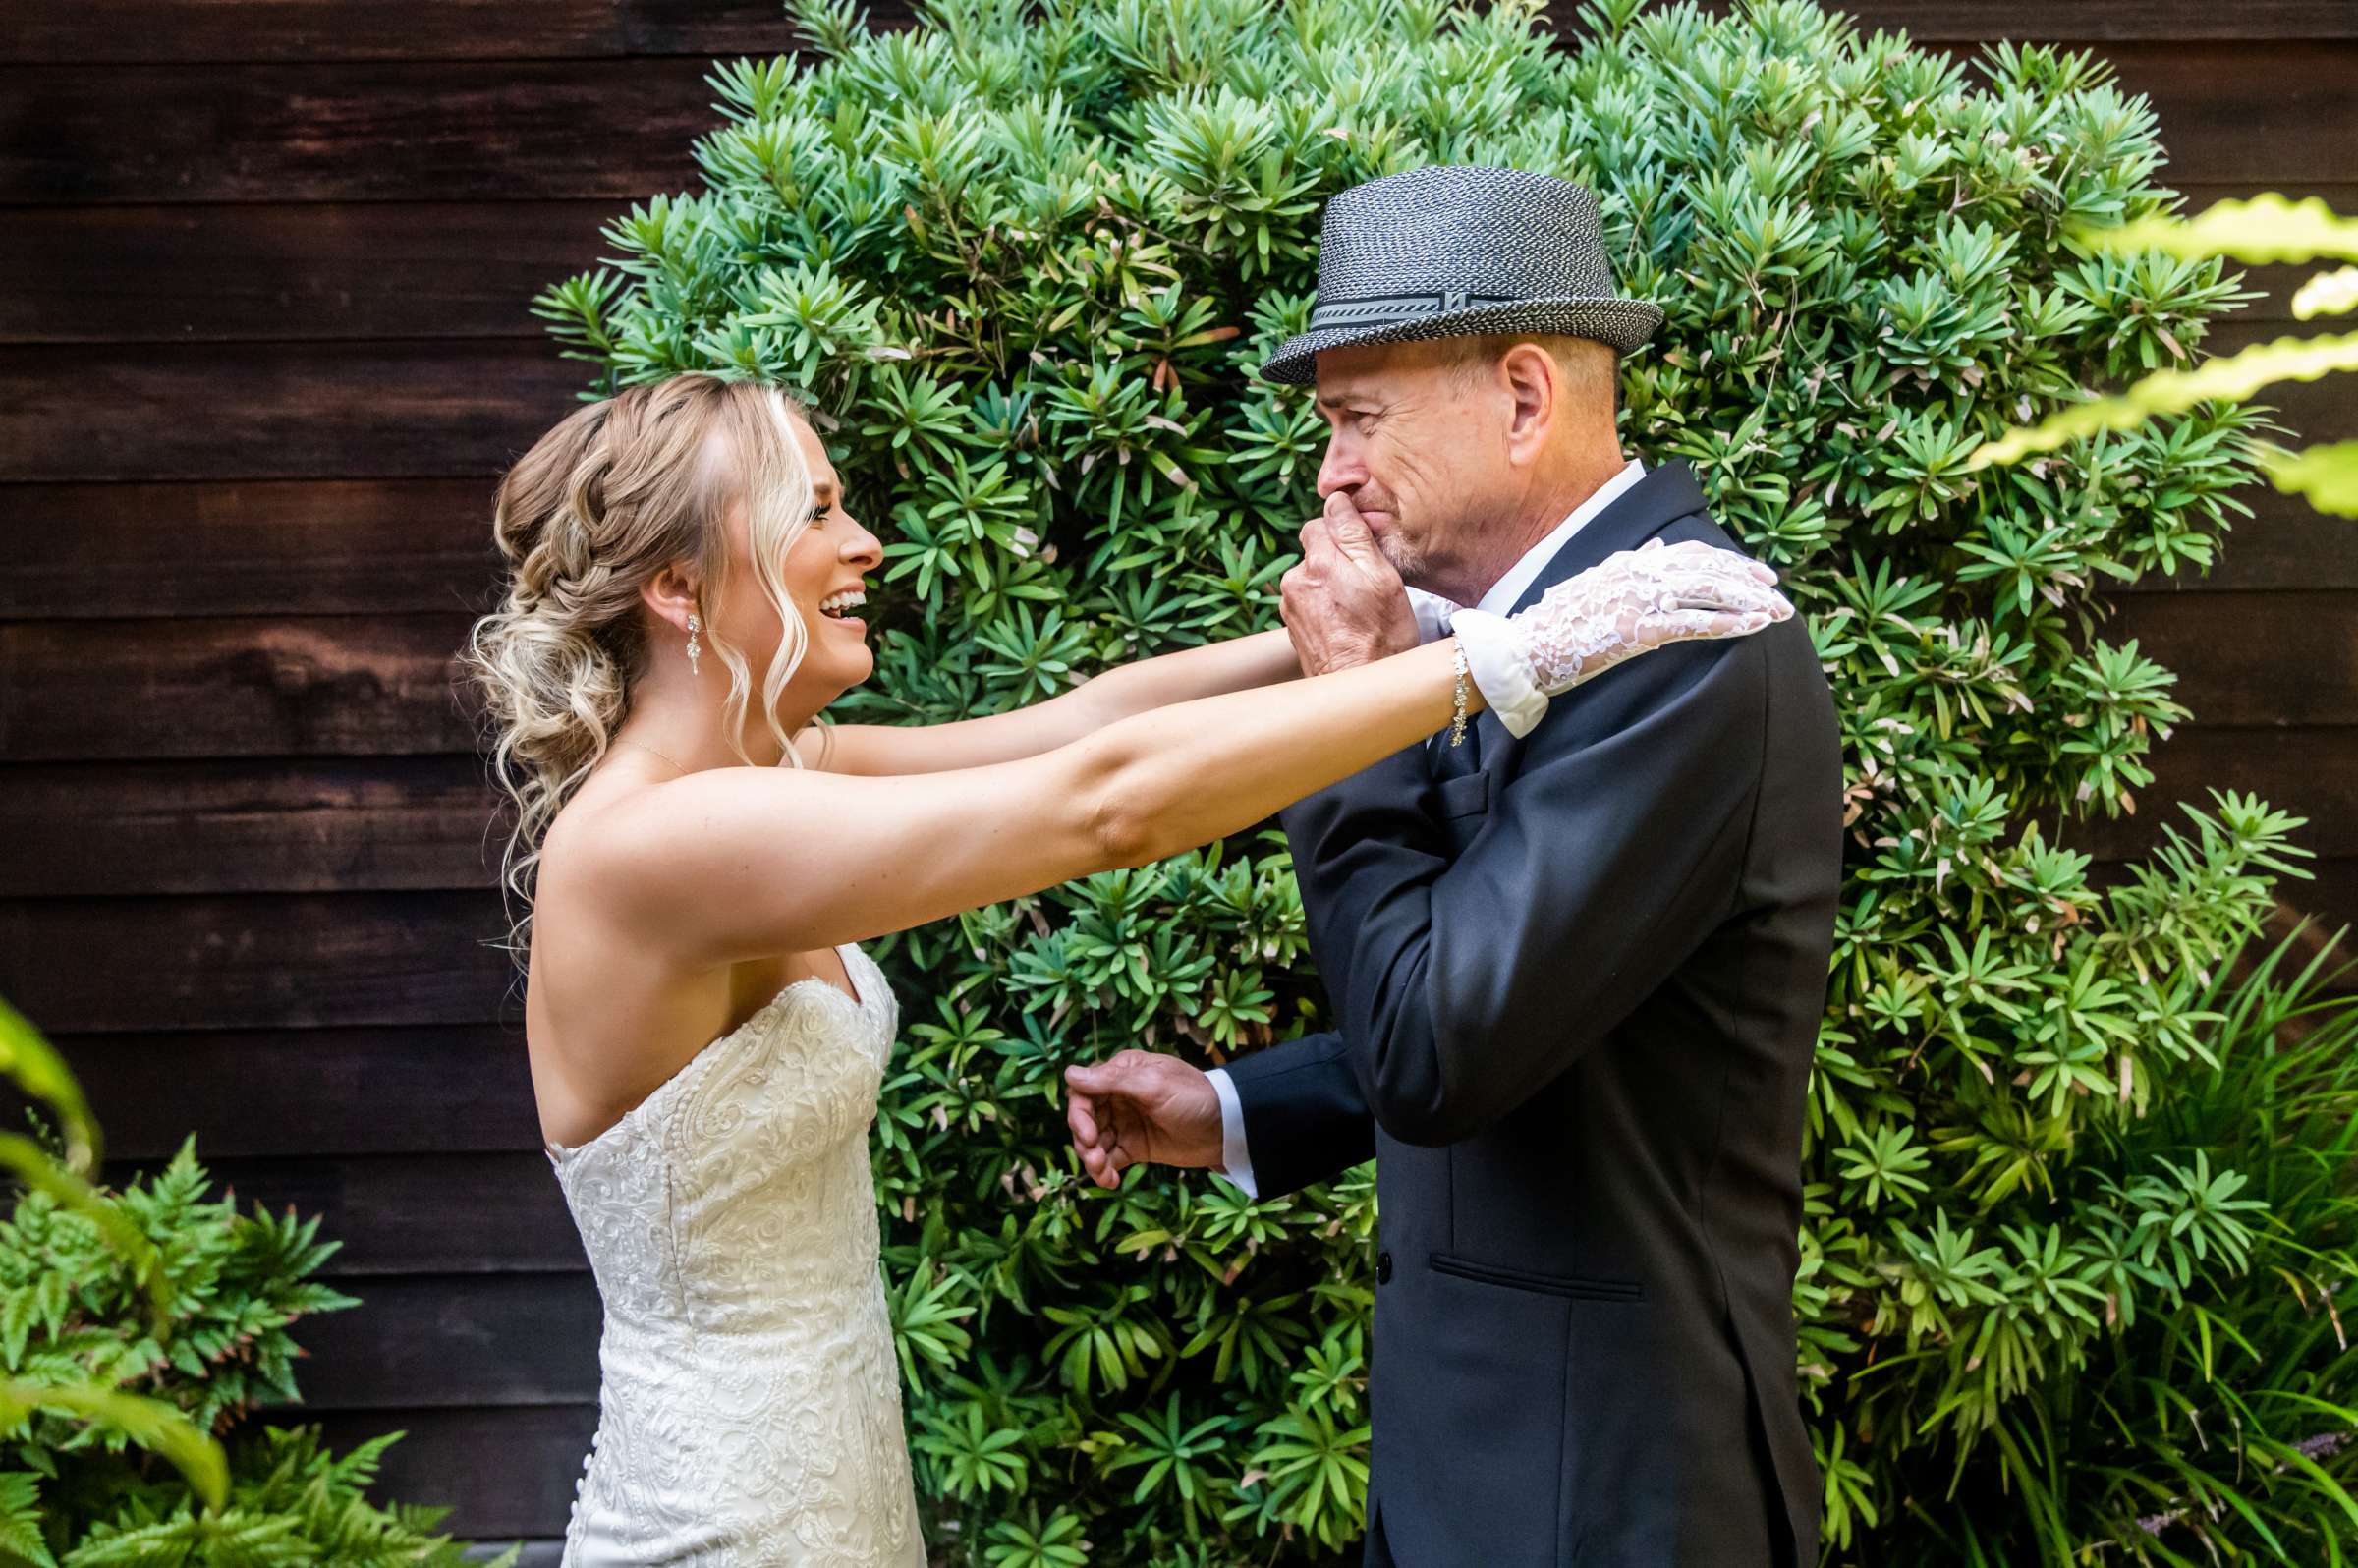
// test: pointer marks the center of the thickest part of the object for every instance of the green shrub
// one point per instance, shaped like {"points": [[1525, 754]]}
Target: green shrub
{"points": [[136, 1327], [1026, 260], [2266, 228]]}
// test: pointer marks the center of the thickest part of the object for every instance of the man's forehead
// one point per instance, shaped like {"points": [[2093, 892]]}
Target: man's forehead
{"points": [[1336, 387], [1372, 371]]}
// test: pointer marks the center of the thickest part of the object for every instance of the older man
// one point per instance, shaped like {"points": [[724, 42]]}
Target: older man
{"points": [[1577, 964]]}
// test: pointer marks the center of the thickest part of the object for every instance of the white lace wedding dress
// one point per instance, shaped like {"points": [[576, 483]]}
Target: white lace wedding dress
{"points": [[748, 1410]]}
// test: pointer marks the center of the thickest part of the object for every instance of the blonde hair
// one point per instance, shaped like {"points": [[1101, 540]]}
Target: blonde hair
{"points": [[617, 491]]}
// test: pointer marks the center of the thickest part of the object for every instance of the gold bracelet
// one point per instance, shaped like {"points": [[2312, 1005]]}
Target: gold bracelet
{"points": [[1457, 714]]}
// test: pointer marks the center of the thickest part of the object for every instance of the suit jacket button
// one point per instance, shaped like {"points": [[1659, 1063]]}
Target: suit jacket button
{"points": [[1384, 1269]]}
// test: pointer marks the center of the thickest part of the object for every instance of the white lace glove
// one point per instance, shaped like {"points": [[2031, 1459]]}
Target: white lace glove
{"points": [[1629, 603]]}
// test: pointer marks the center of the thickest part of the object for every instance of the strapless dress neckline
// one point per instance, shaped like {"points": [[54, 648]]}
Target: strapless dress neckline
{"points": [[748, 1397], [757, 1018]]}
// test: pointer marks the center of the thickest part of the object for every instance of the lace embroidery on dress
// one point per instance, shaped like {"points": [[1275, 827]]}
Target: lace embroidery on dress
{"points": [[749, 1400]]}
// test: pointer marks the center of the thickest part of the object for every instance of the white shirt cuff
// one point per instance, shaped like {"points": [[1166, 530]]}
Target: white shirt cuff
{"points": [[1500, 670], [1235, 1163], [1432, 614]]}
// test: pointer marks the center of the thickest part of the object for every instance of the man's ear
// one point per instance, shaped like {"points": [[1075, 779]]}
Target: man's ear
{"points": [[673, 595], [1536, 383]]}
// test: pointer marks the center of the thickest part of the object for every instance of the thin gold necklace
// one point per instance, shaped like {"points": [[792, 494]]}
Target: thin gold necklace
{"points": [[652, 751]]}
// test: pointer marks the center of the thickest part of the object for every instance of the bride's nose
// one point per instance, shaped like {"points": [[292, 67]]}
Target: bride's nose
{"points": [[864, 547]]}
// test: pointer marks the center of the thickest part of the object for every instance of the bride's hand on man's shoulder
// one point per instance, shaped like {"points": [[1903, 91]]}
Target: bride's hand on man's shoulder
{"points": [[1630, 603]]}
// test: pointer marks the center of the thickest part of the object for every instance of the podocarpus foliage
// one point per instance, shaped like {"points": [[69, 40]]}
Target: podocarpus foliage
{"points": [[2266, 228], [1027, 259]]}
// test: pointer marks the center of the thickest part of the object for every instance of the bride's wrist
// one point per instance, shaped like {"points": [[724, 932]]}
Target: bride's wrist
{"points": [[1499, 669]]}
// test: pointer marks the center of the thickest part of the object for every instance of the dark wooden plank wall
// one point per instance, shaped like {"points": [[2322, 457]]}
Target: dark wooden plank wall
{"points": [[263, 349]]}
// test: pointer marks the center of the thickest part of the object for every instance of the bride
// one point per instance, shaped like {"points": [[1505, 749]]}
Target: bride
{"points": [[700, 861]]}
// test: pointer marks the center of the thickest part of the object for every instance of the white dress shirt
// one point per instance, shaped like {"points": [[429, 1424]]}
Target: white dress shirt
{"points": [[1504, 686]]}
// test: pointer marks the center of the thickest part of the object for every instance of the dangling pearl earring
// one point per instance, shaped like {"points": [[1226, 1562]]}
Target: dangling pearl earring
{"points": [[694, 626]]}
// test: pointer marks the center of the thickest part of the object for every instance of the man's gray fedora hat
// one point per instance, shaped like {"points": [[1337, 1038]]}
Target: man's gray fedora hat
{"points": [[1454, 251]]}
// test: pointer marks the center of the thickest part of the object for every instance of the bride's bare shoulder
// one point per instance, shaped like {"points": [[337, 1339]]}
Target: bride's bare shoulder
{"points": [[624, 840], [601, 834]]}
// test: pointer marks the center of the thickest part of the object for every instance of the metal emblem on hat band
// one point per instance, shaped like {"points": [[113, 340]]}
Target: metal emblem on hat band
{"points": [[1390, 307]]}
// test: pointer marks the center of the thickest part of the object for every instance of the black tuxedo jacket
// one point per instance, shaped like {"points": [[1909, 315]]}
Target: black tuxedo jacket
{"points": [[1579, 990]]}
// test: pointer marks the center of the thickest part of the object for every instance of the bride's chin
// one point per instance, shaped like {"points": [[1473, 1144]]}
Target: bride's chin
{"points": [[854, 669]]}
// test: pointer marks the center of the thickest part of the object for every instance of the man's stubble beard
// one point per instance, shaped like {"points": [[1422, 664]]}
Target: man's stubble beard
{"points": [[1405, 561], [1413, 562]]}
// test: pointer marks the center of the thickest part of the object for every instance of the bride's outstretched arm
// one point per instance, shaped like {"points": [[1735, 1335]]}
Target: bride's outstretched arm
{"points": [[741, 862], [1236, 665]]}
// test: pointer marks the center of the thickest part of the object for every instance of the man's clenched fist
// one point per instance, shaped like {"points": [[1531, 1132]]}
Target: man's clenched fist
{"points": [[1141, 1108]]}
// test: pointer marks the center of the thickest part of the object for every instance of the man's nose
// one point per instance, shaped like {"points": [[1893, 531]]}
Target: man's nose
{"points": [[1341, 470]]}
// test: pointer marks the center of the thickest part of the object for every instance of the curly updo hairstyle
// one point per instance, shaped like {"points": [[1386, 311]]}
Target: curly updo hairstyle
{"points": [[618, 490]]}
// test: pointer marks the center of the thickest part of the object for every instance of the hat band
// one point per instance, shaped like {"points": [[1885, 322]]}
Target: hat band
{"points": [[1386, 308]]}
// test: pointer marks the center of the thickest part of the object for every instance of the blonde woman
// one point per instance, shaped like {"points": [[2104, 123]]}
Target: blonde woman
{"points": [[700, 862]]}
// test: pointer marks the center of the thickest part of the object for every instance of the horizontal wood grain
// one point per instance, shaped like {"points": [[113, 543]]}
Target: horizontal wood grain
{"points": [[2251, 659], [2309, 772], [2283, 545], [310, 1092], [264, 350], [300, 548], [292, 411], [340, 411], [2340, 192], [262, 961], [101, 551], [437, 1341], [411, 1214], [349, 685], [190, 31], [278, 411], [2276, 285], [243, 687], [534, 130], [2090, 21], [265, 825], [244, 272], [2320, 409], [213, 31], [358, 270], [502, 1472], [507, 130], [2240, 111], [2326, 901], [432, 822]]}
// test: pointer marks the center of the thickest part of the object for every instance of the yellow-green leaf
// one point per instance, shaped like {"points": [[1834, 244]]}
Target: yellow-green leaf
{"points": [[151, 1422], [2327, 475], [2239, 376], [2332, 293], [2266, 228], [40, 1072]]}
